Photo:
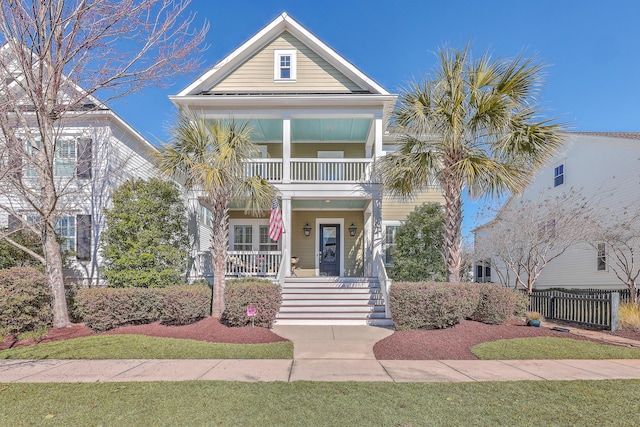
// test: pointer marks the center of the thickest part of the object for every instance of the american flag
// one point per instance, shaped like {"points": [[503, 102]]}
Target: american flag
{"points": [[275, 221]]}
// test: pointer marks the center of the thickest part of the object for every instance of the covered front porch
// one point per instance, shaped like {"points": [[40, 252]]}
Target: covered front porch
{"points": [[321, 237]]}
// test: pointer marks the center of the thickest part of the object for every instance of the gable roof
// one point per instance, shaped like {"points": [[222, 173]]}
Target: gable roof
{"points": [[283, 23]]}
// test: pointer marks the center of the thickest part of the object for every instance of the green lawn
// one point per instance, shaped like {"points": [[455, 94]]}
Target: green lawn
{"points": [[551, 348], [523, 403], [144, 347]]}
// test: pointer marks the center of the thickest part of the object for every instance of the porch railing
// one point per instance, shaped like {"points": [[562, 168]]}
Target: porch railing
{"points": [[253, 263], [385, 283]]}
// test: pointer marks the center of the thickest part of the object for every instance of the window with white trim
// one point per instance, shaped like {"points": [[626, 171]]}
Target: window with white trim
{"points": [[602, 257], [205, 216], [242, 238], [251, 235], [558, 175], [389, 243], [266, 242], [64, 159], [284, 65]]}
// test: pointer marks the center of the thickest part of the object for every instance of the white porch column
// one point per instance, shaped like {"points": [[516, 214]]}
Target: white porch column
{"points": [[378, 136], [368, 239], [286, 149], [286, 235], [376, 245]]}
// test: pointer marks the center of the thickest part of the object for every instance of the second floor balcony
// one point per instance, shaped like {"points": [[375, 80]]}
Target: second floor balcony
{"points": [[312, 170]]}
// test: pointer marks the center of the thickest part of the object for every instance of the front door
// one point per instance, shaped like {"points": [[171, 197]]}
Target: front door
{"points": [[329, 250]]}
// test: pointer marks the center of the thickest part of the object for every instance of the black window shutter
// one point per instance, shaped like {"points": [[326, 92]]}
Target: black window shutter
{"points": [[84, 158], [83, 237]]}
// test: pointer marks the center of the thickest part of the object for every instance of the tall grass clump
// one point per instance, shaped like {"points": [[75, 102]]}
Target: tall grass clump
{"points": [[629, 316]]}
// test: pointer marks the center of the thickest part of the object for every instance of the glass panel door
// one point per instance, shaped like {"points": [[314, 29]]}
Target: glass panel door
{"points": [[329, 250]]}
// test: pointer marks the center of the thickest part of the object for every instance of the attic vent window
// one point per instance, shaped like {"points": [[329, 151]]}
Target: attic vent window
{"points": [[284, 66]]}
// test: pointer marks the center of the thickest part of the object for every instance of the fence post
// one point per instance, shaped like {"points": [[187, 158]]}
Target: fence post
{"points": [[551, 307], [615, 304]]}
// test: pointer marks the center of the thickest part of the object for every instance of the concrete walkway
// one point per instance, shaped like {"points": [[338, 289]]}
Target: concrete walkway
{"points": [[321, 353]]}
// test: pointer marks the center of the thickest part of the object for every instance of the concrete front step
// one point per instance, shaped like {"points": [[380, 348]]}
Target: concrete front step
{"points": [[332, 301], [319, 322], [330, 309]]}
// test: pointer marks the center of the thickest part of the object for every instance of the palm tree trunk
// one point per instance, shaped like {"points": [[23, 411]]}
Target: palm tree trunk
{"points": [[453, 229], [219, 244]]}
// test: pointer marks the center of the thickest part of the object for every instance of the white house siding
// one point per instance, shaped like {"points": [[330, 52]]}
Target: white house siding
{"points": [[314, 74], [603, 167], [117, 154]]}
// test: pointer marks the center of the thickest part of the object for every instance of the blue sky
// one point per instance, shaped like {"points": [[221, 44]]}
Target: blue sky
{"points": [[591, 48]]}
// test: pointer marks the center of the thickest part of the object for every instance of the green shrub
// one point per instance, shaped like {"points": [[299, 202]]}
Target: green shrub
{"points": [[107, 308], [427, 305], [496, 304], [522, 302], [184, 304], [25, 301], [264, 295]]}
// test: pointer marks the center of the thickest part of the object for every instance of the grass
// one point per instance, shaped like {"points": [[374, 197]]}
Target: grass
{"points": [[629, 315], [551, 348], [144, 347], [521, 403]]}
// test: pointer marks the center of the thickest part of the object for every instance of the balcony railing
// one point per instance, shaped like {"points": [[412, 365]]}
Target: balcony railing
{"points": [[269, 169], [333, 170], [311, 170]]}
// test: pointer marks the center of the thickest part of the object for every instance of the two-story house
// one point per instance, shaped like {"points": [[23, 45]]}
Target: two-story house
{"points": [[320, 124], [604, 170]]}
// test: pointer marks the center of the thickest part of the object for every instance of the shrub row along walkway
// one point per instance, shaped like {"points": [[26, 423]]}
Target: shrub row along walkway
{"points": [[321, 353]]}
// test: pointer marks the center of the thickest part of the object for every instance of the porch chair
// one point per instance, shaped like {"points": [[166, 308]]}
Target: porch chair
{"points": [[294, 265]]}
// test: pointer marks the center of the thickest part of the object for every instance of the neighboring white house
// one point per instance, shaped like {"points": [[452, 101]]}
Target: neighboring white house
{"points": [[96, 152], [602, 167]]}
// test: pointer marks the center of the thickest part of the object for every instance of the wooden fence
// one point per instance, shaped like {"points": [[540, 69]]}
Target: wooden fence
{"points": [[596, 308]]}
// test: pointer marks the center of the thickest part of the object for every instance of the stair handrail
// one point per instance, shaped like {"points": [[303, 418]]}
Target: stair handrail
{"points": [[385, 283], [285, 265]]}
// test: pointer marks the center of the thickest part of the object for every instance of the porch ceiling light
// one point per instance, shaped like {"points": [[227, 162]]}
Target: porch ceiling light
{"points": [[307, 230], [352, 230]]}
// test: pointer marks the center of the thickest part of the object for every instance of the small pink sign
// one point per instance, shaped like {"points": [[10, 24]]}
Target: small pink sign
{"points": [[251, 311]]}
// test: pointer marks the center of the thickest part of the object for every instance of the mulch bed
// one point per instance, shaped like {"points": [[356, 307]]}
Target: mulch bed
{"points": [[209, 329], [440, 344]]}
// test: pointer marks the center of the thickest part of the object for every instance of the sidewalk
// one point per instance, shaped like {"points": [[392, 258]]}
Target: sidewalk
{"points": [[321, 353]]}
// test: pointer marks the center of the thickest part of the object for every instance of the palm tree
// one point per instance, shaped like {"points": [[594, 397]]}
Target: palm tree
{"points": [[208, 156], [473, 125]]}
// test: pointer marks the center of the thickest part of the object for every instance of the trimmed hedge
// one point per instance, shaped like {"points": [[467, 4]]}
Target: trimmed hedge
{"points": [[25, 301], [185, 304], [428, 305], [263, 294], [496, 305], [106, 308]]}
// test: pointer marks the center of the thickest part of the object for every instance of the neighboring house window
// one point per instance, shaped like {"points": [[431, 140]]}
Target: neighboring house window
{"points": [[242, 238], [558, 175], [266, 243], [69, 153], [66, 228], [284, 65], [389, 243], [602, 257], [205, 216]]}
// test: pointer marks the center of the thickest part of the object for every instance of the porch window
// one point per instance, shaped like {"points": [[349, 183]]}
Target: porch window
{"points": [[242, 238], [266, 243]]}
